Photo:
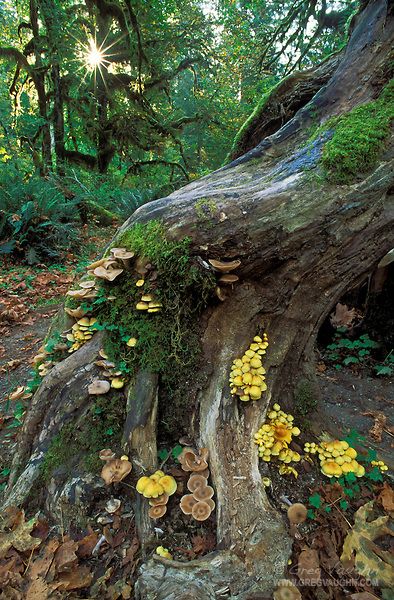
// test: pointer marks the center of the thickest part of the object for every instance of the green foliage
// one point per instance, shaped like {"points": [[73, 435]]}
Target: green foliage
{"points": [[385, 368], [168, 341], [358, 138], [36, 222], [344, 351]]}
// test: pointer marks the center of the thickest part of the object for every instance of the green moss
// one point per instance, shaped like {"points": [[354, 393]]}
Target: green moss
{"points": [[205, 209], [168, 341], [305, 398], [79, 444], [358, 138]]}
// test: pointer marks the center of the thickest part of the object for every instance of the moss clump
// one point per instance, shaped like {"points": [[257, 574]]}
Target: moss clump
{"points": [[305, 398], [79, 444], [168, 341], [358, 137]]}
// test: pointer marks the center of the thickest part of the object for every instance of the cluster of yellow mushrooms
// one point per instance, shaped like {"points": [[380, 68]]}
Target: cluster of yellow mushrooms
{"points": [[337, 458], [247, 380], [275, 435], [81, 332], [148, 302], [157, 488]]}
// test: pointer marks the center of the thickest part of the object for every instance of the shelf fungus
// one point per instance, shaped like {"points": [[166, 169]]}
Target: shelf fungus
{"points": [[247, 377]]}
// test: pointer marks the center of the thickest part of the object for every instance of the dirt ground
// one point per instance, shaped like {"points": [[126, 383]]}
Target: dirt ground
{"points": [[347, 398]]}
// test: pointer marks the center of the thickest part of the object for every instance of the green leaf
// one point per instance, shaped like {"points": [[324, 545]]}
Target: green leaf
{"points": [[350, 360], [349, 492], [311, 514], [328, 509], [383, 370], [163, 454], [350, 477], [109, 431], [375, 475], [5, 472], [315, 500], [354, 438], [344, 504], [176, 451]]}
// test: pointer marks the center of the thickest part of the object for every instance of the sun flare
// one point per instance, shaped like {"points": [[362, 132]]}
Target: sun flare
{"points": [[94, 57]]}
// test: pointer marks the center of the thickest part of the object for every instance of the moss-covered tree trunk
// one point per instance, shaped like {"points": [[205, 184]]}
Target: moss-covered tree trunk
{"points": [[302, 242]]}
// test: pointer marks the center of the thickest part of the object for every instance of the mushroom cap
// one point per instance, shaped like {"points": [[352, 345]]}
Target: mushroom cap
{"points": [[99, 386], [107, 454], [203, 492], [195, 481], [115, 470], [220, 293], [77, 313], [157, 475], [223, 266], [286, 590], [331, 468], [89, 283], [297, 513], [201, 511], [163, 499], [187, 503], [108, 274], [122, 253], [191, 461], [168, 484], [228, 279], [131, 342], [156, 512], [141, 484], [210, 503], [96, 264], [153, 489], [117, 383], [112, 505]]}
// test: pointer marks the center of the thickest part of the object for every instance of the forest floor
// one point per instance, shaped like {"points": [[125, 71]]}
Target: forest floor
{"points": [[104, 557]]}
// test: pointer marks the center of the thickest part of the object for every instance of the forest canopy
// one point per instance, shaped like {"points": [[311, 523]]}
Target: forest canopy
{"points": [[147, 95]]}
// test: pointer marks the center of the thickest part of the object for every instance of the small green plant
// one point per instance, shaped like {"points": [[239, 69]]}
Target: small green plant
{"points": [[386, 367], [164, 454], [344, 351]]}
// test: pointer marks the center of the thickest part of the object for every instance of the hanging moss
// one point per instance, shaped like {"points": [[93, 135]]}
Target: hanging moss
{"points": [[167, 341], [358, 138]]}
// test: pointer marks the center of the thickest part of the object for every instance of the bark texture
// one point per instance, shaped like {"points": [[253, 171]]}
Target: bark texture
{"points": [[302, 245]]}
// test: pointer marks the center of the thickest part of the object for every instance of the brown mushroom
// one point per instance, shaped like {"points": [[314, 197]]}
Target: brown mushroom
{"points": [[156, 512], [99, 386], [195, 481], [203, 492], [77, 294], [201, 511], [113, 505], [187, 503], [107, 454], [297, 513], [89, 283], [160, 500], [191, 461], [210, 502], [115, 470], [107, 274], [123, 255], [223, 266], [204, 473], [220, 293], [77, 313], [96, 264], [228, 279]]}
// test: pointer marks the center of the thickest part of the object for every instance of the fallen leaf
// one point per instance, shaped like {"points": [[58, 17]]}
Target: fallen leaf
{"points": [[379, 425], [78, 578], [386, 497], [19, 537], [65, 557], [86, 545], [37, 590], [40, 567], [369, 560]]}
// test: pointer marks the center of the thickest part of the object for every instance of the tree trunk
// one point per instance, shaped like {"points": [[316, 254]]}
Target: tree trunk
{"points": [[302, 245]]}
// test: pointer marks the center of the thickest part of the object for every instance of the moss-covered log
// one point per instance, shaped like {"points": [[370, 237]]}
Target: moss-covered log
{"points": [[302, 241]]}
